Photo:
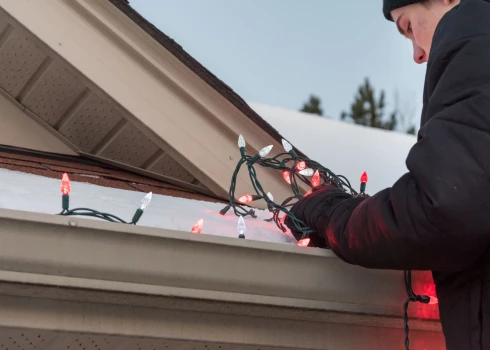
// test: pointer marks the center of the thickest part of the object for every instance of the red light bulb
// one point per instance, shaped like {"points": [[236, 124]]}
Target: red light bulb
{"points": [[286, 175], [315, 180], [308, 193], [246, 199], [301, 166], [364, 178], [65, 185], [197, 228], [304, 242], [433, 301]]}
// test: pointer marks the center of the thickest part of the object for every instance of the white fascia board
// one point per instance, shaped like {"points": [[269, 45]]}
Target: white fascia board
{"points": [[82, 254]]}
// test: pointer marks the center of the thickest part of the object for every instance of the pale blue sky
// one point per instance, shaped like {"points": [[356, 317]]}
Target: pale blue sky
{"points": [[279, 51]]}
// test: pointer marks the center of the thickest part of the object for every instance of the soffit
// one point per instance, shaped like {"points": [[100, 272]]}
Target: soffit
{"points": [[336, 337], [25, 339], [56, 96]]}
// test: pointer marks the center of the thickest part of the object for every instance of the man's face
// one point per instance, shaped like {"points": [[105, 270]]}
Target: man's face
{"points": [[418, 23]]}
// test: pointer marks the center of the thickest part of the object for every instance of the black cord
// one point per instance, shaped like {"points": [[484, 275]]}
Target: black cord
{"points": [[405, 321], [65, 204], [411, 297], [94, 213]]}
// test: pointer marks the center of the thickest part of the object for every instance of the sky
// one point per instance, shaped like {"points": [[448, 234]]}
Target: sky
{"points": [[278, 52]]}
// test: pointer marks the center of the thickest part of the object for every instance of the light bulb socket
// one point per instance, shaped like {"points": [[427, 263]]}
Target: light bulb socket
{"points": [[242, 236], [225, 210], [363, 187], [137, 216], [65, 202], [254, 158], [293, 154], [257, 197], [243, 152]]}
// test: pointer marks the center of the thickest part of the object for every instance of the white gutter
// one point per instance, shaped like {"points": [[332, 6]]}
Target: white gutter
{"points": [[79, 261]]}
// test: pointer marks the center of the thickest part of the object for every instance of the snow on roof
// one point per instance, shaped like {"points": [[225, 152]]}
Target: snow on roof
{"points": [[346, 149], [27, 192]]}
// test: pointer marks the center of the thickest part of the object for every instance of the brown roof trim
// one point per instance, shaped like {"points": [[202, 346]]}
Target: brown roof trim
{"points": [[212, 80], [91, 171]]}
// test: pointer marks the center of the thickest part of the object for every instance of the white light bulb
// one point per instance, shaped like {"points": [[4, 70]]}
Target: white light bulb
{"points": [[287, 146], [271, 198], [241, 142], [241, 227], [307, 172], [265, 151], [145, 201]]}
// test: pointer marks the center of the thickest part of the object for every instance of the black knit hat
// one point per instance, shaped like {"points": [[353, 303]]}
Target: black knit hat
{"points": [[390, 5]]}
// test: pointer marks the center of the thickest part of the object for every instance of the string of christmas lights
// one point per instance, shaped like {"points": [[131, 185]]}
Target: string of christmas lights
{"points": [[66, 211], [293, 169], [145, 201]]}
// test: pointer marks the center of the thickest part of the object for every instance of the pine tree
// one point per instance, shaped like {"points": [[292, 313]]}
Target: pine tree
{"points": [[312, 106], [411, 130], [367, 110], [404, 115]]}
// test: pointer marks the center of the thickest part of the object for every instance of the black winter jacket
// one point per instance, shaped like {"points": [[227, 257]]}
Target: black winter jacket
{"points": [[437, 216]]}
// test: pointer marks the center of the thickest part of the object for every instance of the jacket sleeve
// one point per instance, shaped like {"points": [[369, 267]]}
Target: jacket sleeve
{"points": [[437, 216]]}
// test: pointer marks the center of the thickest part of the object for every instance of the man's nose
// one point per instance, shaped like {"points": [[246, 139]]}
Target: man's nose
{"points": [[419, 55]]}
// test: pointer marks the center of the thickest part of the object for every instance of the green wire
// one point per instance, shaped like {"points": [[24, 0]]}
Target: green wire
{"points": [[94, 213], [279, 162]]}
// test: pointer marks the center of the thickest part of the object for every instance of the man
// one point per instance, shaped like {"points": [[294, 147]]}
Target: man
{"points": [[437, 216]]}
